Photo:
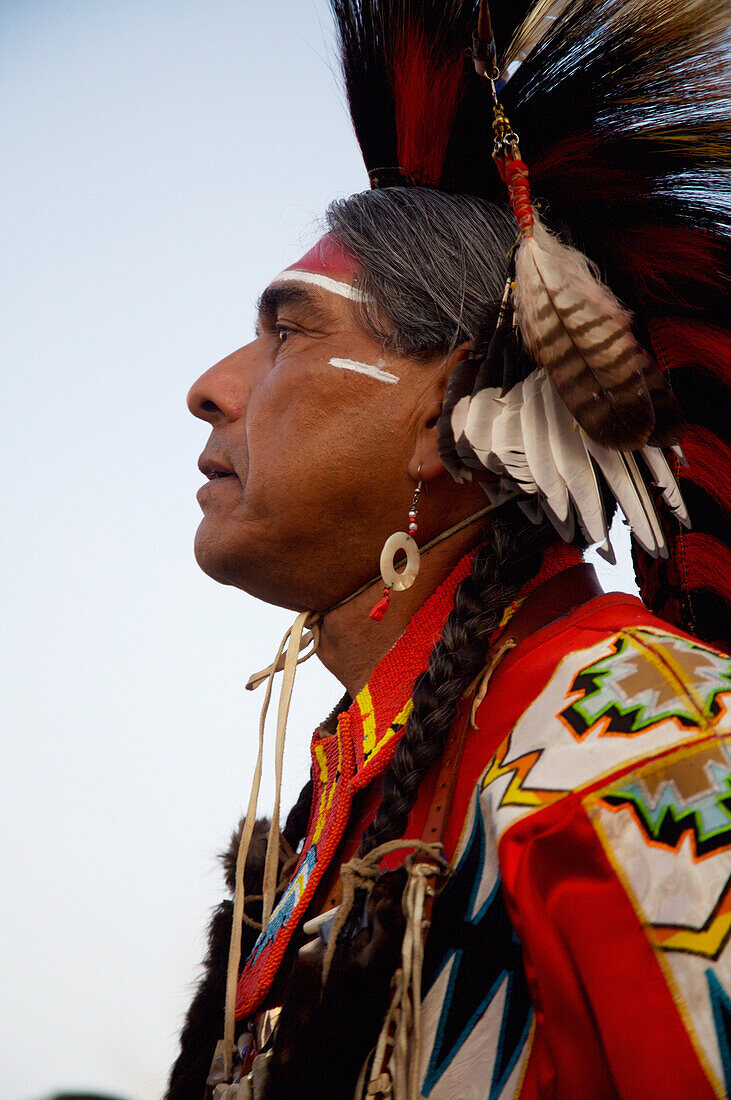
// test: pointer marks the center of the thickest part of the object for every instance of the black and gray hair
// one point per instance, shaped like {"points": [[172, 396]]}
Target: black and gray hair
{"points": [[432, 266]]}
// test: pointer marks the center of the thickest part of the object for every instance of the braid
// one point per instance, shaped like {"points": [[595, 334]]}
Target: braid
{"points": [[508, 557]]}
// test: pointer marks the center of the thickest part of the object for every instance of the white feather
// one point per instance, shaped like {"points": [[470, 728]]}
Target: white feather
{"points": [[664, 479], [457, 422], [645, 499], [622, 476], [508, 445], [483, 410], [573, 464], [678, 452], [539, 455], [530, 440], [459, 415], [492, 431]]}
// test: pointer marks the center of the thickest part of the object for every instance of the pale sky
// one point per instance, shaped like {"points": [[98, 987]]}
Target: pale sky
{"points": [[159, 162]]}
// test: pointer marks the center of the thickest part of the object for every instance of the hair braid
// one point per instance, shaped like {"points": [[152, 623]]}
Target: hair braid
{"points": [[508, 557]]}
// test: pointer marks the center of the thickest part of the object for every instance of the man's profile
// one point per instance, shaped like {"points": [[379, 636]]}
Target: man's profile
{"points": [[508, 874]]}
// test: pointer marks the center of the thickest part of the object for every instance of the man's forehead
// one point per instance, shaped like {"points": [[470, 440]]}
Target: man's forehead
{"points": [[326, 265], [327, 257]]}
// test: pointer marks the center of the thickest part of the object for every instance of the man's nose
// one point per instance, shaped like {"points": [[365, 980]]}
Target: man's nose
{"points": [[222, 392]]}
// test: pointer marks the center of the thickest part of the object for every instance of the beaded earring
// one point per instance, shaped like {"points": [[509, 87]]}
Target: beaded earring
{"points": [[399, 542]]}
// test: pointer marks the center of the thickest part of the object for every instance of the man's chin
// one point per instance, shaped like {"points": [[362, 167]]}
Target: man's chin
{"points": [[219, 561], [248, 562], [250, 572]]}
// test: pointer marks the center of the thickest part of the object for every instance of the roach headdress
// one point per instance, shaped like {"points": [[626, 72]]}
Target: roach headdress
{"points": [[604, 125]]}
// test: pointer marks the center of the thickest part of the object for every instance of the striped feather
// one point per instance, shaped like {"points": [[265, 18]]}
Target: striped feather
{"points": [[574, 327]]}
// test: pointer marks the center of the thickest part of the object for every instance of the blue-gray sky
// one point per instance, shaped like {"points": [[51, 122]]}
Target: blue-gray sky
{"points": [[159, 161]]}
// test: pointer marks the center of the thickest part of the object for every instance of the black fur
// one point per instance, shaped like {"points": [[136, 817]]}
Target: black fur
{"points": [[325, 1035], [204, 1022]]}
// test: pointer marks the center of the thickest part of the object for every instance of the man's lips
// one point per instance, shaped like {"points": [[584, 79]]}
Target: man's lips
{"points": [[214, 468], [218, 472]]}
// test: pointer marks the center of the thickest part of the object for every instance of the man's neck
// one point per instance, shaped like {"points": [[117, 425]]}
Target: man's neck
{"points": [[351, 643]]}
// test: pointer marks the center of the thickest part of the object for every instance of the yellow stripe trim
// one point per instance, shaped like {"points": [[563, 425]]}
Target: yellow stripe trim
{"points": [[400, 720], [322, 809], [364, 700]]}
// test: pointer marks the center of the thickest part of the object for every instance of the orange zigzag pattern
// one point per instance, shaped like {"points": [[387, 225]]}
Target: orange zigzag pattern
{"points": [[516, 794]]}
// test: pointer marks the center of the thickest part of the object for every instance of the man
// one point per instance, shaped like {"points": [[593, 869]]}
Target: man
{"points": [[551, 760]]}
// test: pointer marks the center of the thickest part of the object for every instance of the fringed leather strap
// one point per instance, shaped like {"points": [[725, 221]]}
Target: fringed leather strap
{"points": [[287, 658]]}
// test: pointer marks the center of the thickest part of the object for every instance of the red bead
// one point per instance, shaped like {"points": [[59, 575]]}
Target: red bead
{"points": [[379, 609]]}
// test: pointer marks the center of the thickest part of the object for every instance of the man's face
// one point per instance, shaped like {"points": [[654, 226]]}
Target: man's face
{"points": [[310, 449]]}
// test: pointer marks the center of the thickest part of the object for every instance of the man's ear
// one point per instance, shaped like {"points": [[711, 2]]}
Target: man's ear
{"points": [[425, 463]]}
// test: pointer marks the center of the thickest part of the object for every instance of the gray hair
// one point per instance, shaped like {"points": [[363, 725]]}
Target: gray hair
{"points": [[432, 266]]}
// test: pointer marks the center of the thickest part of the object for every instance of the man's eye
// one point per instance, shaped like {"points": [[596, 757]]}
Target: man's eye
{"points": [[283, 332]]}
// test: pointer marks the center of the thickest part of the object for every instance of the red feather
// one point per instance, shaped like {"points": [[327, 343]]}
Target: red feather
{"points": [[709, 462], [706, 563], [680, 343], [657, 257], [426, 92], [576, 170]]}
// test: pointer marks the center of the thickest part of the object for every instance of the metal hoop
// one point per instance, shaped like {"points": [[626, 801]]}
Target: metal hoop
{"points": [[399, 582]]}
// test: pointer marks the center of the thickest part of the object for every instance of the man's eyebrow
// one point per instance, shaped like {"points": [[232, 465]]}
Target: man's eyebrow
{"points": [[276, 297]]}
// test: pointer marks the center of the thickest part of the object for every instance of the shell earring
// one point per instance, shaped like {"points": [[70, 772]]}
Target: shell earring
{"points": [[399, 543]]}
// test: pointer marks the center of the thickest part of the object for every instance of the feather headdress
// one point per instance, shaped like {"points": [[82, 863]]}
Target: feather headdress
{"points": [[622, 110]]}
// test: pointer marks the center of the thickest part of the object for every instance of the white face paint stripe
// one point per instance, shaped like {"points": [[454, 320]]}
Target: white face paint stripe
{"points": [[365, 368], [324, 281]]}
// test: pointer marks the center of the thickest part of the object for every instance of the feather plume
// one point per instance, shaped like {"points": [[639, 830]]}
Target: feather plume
{"points": [[406, 72], [622, 108], [574, 327], [529, 440], [537, 22]]}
